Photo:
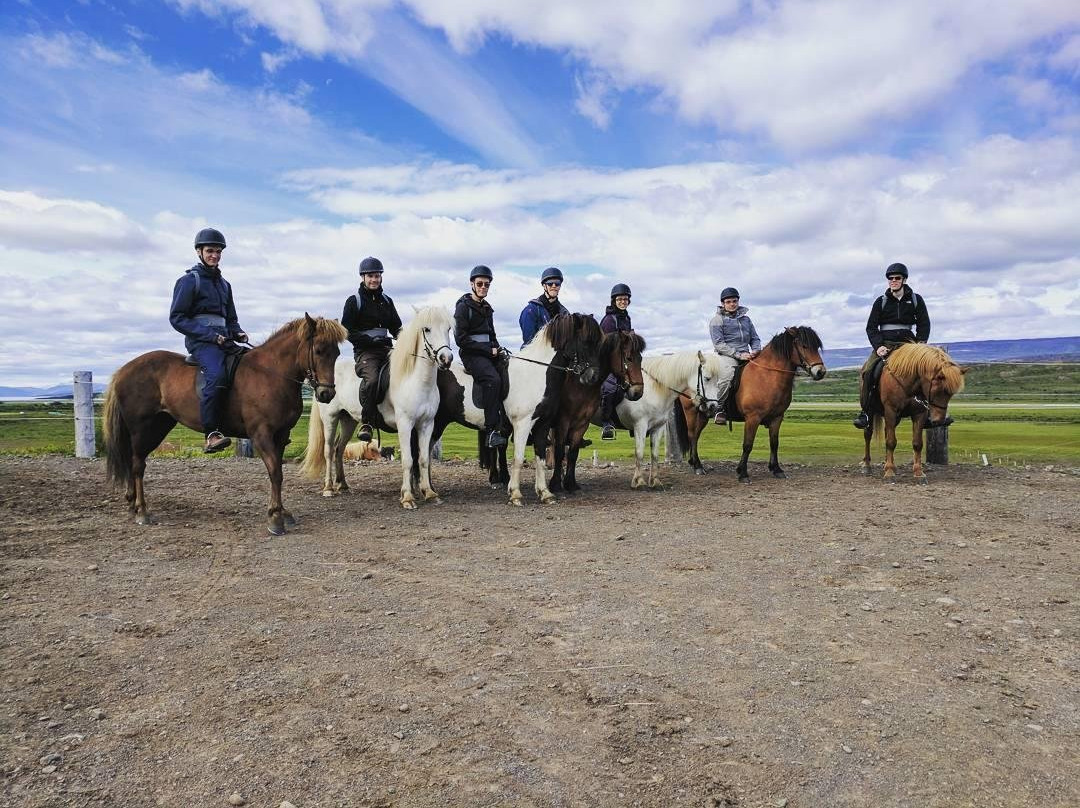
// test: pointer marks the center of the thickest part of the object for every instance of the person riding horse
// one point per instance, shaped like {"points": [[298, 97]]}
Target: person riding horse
{"points": [[616, 318], [889, 326], [373, 323], [203, 311], [474, 331], [733, 337], [540, 311]]}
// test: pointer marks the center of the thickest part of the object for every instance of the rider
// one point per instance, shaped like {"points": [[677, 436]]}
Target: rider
{"points": [[616, 318], [889, 326], [372, 321], [733, 336], [540, 311], [203, 311], [474, 331]]}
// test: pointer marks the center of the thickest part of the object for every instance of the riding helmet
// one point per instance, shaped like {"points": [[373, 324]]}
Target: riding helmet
{"points": [[479, 271], [731, 291], [620, 289], [551, 274], [896, 269], [369, 265], [208, 236]]}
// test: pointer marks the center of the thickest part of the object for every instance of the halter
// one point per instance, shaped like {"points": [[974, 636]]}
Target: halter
{"points": [[430, 353], [312, 377]]}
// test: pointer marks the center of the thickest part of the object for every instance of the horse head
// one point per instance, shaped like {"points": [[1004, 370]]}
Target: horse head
{"points": [[578, 339], [625, 362], [317, 351], [710, 374], [930, 377], [801, 346], [436, 332]]}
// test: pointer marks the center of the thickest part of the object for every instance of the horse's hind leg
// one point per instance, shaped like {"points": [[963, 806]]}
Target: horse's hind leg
{"points": [[868, 435], [695, 425], [774, 445], [143, 442], [654, 460]]}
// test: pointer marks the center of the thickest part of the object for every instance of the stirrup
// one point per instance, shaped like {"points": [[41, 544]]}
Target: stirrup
{"points": [[495, 440], [215, 442], [720, 419], [365, 432], [862, 421], [608, 432]]}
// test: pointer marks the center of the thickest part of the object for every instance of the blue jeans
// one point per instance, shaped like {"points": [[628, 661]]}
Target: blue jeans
{"points": [[212, 361]]}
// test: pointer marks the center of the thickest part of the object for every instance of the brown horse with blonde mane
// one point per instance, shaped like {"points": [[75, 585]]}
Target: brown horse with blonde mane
{"points": [[149, 395], [760, 396], [918, 382]]}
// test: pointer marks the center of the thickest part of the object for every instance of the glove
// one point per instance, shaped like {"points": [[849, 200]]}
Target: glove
{"points": [[220, 339], [504, 353], [240, 337]]}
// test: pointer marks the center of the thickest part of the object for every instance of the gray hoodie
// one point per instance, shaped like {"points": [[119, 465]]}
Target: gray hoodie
{"points": [[733, 333]]}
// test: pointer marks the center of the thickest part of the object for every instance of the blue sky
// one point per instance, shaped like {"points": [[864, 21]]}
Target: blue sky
{"points": [[791, 149]]}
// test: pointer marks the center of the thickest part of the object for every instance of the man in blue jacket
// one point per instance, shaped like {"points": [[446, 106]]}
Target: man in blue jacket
{"points": [[540, 311], [203, 311]]}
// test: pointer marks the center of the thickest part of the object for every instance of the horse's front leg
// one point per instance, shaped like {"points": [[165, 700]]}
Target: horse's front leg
{"points": [[916, 446], [774, 445], [868, 435], [330, 430], [405, 428], [573, 442], [345, 427], [424, 430], [749, 433], [654, 460], [695, 425], [891, 419], [541, 486], [558, 454], [271, 450], [513, 488], [640, 435]]}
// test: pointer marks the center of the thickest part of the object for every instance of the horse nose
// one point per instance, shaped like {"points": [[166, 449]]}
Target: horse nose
{"points": [[711, 408], [325, 394], [817, 372], [446, 359], [634, 392]]}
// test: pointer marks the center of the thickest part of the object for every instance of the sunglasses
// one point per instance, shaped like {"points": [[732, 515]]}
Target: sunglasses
{"points": [[556, 284], [483, 284], [895, 277]]}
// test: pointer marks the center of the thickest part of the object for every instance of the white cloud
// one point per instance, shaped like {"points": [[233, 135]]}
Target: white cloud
{"points": [[29, 221]]}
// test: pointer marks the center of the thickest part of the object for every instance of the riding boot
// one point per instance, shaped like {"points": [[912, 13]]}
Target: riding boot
{"points": [[866, 389], [607, 415], [365, 432], [720, 419]]}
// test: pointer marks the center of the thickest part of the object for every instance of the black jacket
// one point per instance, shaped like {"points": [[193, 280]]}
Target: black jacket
{"points": [[474, 326], [909, 310], [615, 319], [377, 310]]}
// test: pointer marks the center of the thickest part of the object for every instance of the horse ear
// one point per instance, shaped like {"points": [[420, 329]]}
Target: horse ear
{"points": [[700, 358], [310, 320], [964, 370]]}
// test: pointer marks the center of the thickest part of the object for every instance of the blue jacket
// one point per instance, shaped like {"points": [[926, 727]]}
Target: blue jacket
{"points": [[732, 334], [535, 316], [209, 294]]}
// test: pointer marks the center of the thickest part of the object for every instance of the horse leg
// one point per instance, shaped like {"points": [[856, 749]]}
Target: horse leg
{"points": [[571, 482], [640, 435], [891, 420], [345, 427], [424, 440], [654, 460], [541, 486], [868, 434], [513, 487], [405, 428], [558, 454], [270, 449], [504, 474], [916, 445], [749, 433], [695, 425], [330, 454], [143, 442], [774, 445]]}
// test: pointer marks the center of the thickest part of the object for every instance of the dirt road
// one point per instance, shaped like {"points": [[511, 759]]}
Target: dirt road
{"points": [[825, 640]]}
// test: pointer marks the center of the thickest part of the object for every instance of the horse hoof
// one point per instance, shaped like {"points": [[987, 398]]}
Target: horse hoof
{"points": [[328, 493], [434, 500], [549, 499], [699, 471], [517, 503], [145, 519], [779, 475], [290, 521], [744, 480], [275, 530], [921, 480], [408, 505]]}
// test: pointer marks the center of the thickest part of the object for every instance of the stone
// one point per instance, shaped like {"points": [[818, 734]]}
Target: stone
{"points": [[236, 799]]}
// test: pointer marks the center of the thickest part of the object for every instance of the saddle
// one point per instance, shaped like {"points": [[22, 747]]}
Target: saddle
{"points": [[870, 383], [233, 355], [504, 385], [731, 409]]}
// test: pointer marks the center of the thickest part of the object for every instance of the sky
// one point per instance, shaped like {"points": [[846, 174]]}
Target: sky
{"points": [[791, 149]]}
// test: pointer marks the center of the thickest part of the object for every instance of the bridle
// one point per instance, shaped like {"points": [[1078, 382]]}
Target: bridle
{"points": [[802, 364], [624, 383], [430, 352], [575, 366], [312, 376], [699, 399], [925, 403]]}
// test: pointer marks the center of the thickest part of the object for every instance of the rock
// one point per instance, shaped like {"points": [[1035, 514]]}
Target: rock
{"points": [[403, 708], [68, 707], [236, 799], [945, 601], [896, 565], [51, 759], [367, 575], [96, 714], [725, 740], [92, 568], [48, 769], [867, 607], [961, 544], [846, 748], [286, 804], [930, 559]]}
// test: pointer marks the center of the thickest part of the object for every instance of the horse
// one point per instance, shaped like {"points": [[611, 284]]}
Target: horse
{"points": [[667, 379], [620, 354], [918, 382], [409, 409], [568, 346], [149, 395], [761, 395]]}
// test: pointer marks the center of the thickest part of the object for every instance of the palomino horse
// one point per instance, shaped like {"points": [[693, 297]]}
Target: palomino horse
{"points": [[762, 396], [409, 409], [918, 382], [667, 378], [569, 345], [151, 393], [620, 354]]}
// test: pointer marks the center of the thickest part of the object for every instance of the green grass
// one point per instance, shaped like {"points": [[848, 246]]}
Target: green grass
{"points": [[812, 433]]}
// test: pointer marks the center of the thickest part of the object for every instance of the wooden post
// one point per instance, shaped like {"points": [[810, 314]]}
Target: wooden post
{"points": [[244, 448], [672, 453], [84, 414], [937, 446]]}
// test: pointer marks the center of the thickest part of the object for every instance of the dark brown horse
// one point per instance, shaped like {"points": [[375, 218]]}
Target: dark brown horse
{"points": [[151, 393], [918, 382], [761, 397], [620, 354]]}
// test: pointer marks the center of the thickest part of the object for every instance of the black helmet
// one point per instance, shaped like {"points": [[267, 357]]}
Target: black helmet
{"points": [[209, 236], [479, 271], [370, 264], [551, 274], [620, 289], [731, 291], [896, 269]]}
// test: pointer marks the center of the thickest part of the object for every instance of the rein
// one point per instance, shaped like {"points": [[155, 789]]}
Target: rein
{"points": [[430, 353], [311, 377], [803, 364], [575, 368], [699, 398]]}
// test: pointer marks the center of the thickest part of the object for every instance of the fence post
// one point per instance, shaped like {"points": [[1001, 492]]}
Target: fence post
{"points": [[937, 446], [244, 448], [83, 388], [672, 453]]}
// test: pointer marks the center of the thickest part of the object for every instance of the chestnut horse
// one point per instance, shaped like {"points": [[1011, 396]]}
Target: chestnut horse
{"points": [[620, 354], [761, 395], [918, 382], [151, 393]]}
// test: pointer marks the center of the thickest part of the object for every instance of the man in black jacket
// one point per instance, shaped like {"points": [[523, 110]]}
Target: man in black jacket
{"points": [[889, 325], [373, 323], [474, 331]]}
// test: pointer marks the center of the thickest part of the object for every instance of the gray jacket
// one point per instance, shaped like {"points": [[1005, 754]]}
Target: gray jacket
{"points": [[733, 334]]}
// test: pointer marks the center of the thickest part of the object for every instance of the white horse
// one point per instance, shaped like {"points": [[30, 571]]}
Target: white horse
{"points": [[665, 378], [409, 408], [569, 343]]}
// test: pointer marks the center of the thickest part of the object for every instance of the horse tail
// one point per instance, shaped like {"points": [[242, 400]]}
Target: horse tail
{"points": [[879, 429], [117, 440], [682, 433], [313, 465], [483, 454]]}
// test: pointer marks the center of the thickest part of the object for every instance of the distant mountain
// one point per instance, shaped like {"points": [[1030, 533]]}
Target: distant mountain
{"points": [[1048, 349], [56, 391]]}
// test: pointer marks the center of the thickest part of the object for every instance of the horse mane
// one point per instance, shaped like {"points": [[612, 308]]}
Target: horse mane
{"points": [[672, 370], [325, 330], [783, 344], [610, 340], [916, 359], [410, 342], [563, 329]]}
